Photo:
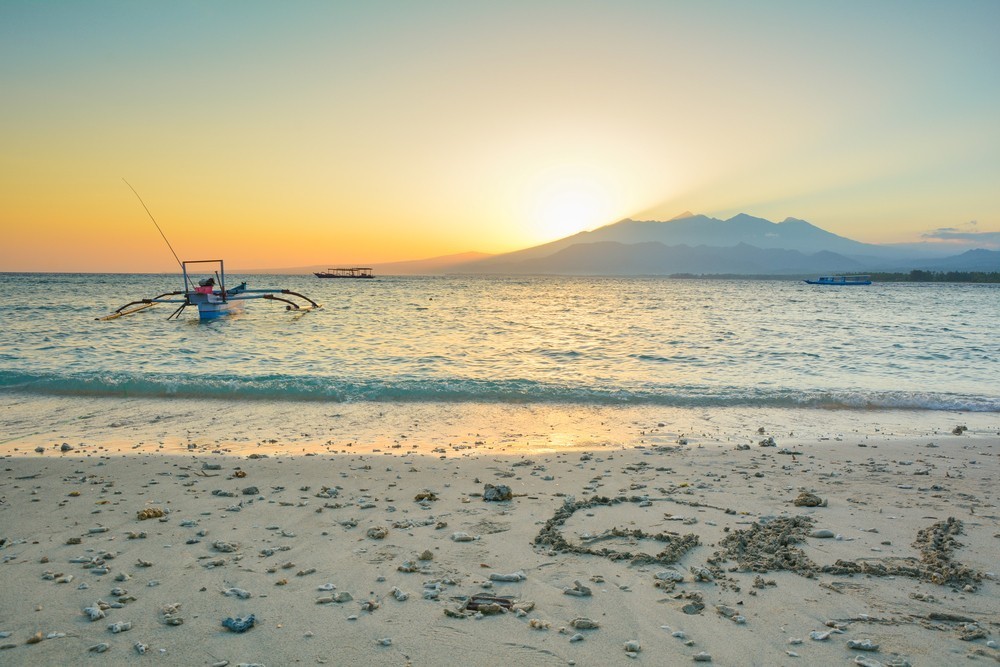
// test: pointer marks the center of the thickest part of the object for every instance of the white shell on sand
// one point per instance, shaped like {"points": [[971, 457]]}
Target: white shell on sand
{"points": [[862, 645], [866, 662]]}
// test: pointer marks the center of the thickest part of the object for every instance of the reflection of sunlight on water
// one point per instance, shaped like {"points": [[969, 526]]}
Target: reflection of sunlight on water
{"points": [[518, 340]]}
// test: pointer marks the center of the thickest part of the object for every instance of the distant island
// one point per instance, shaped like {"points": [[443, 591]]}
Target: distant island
{"points": [[917, 276], [914, 276]]}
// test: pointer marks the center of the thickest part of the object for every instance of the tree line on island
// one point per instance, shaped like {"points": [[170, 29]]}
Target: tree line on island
{"points": [[918, 276], [915, 276]]}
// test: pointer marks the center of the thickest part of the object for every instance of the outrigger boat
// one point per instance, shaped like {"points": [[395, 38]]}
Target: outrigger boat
{"points": [[211, 296]]}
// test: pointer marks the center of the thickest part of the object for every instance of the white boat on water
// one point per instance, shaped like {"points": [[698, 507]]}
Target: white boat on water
{"points": [[351, 272]]}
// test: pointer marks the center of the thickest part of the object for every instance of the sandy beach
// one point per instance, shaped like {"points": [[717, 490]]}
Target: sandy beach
{"points": [[423, 534]]}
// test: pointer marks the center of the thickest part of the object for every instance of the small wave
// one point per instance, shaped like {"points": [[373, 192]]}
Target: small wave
{"points": [[651, 357], [677, 358], [558, 354], [455, 390]]}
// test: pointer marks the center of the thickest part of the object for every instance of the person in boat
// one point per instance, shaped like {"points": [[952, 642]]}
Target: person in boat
{"points": [[205, 286]]}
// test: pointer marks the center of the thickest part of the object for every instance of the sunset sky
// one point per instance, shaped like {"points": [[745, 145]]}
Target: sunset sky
{"points": [[279, 134]]}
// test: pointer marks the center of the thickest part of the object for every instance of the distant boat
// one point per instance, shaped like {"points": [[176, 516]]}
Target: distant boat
{"points": [[352, 272], [841, 280]]}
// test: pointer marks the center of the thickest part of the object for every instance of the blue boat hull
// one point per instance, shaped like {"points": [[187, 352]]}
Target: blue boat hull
{"points": [[213, 311], [212, 306], [841, 281]]}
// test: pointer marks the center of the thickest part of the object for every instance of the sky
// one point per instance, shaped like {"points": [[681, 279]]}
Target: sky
{"points": [[281, 134]]}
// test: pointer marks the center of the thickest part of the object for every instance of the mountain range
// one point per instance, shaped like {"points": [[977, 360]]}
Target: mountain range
{"points": [[743, 244], [701, 245]]}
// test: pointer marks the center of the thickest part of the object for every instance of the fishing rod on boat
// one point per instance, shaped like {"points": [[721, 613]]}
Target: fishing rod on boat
{"points": [[155, 223]]}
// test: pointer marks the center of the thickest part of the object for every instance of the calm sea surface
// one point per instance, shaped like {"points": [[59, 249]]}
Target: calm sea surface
{"points": [[538, 339]]}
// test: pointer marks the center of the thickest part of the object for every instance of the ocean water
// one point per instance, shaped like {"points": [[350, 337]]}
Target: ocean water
{"points": [[655, 341]]}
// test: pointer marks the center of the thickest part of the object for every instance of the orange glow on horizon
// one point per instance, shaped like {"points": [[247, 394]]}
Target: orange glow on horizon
{"points": [[329, 133]]}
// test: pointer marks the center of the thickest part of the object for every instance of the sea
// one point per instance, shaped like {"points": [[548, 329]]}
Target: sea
{"points": [[539, 339]]}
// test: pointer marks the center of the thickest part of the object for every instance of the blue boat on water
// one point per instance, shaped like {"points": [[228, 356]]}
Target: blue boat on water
{"points": [[211, 297], [208, 295], [841, 280]]}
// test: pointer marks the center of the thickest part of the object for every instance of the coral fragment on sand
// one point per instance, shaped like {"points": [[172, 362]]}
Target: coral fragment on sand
{"points": [[498, 493], [239, 624], [807, 499]]}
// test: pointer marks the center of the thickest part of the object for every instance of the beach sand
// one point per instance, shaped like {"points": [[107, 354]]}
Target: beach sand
{"points": [[359, 534]]}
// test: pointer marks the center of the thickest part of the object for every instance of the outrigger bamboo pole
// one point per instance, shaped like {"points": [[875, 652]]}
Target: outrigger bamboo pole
{"points": [[119, 313]]}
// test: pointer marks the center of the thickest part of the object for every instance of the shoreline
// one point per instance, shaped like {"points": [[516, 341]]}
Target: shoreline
{"points": [[293, 523], [177, 424]]}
